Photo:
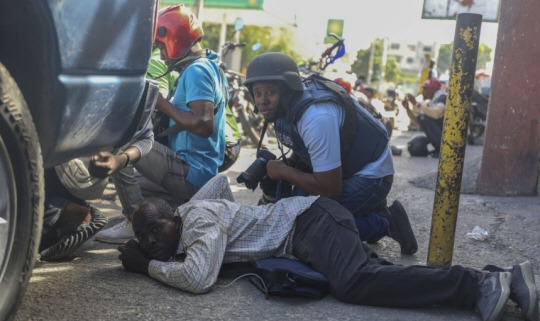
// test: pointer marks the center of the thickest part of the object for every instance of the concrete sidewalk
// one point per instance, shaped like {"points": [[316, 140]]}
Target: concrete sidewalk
{"points": [[94, 286]]}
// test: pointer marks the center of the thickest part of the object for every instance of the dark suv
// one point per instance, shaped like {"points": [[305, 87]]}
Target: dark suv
{"points": [[71, 84]]}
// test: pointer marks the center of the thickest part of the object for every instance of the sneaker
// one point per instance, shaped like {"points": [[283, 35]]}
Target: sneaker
{"points": [[117, 234], [399, 228], [493, 293], [523, 291], [71, 240]]}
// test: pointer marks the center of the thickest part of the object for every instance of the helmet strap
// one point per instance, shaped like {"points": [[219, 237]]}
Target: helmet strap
{"points": [[182, 63]]}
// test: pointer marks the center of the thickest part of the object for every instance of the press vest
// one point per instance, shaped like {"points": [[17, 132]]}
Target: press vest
{"points": [[362, 138]]}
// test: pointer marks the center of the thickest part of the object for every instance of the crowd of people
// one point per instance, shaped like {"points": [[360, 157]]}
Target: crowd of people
{"points": [[181, 223]]}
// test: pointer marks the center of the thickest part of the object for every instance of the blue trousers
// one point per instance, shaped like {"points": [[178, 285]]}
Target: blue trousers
{"points": [[360, 195]]}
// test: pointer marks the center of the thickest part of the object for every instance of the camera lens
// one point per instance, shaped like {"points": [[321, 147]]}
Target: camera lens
{"points": [[256, 171]]}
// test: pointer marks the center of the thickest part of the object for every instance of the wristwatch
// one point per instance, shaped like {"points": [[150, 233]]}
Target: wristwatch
{"points": [[128, 159]]}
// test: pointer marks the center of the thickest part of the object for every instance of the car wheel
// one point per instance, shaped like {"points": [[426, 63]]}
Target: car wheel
{"points": [[21, 194]]}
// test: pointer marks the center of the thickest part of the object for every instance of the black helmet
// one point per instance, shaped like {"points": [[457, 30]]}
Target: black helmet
{"points": [[273, 66], [418, 146]]}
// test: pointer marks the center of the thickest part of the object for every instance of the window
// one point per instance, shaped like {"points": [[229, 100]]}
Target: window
{"points": [[394, 46], [410, 60]]}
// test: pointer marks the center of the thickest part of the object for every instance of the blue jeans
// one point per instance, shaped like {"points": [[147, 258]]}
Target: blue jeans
{"points": [[160, 173], [360, 195]]}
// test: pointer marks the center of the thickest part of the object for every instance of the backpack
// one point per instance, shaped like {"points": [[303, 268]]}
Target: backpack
{"points": [[276, 276], [418, 146]]}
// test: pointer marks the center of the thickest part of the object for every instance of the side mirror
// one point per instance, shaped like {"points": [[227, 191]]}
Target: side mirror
{"points": [[238, 24], [256, 46]]}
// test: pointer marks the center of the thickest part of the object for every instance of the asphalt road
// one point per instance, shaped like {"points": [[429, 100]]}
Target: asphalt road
{"points": [[92, 284]]}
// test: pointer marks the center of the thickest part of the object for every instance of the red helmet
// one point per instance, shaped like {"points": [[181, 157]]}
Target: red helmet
{"points": [[178, 30]]}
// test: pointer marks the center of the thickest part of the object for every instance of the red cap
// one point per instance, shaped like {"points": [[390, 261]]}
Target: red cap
{"points": [[345, 84], [431, 83]]}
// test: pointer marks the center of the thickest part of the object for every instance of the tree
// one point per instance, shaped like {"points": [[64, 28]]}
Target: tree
{"points": [[445, 57], [361, 65], [484, 56], [271, 39], [392, 71]]}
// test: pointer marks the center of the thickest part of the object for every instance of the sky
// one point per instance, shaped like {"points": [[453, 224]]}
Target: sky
{"points": [[398, 20]]}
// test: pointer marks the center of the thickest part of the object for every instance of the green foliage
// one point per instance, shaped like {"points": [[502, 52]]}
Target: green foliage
{"points": [[445, 57], [361, 65], [393, 73], [271, 39], [484, 56]]}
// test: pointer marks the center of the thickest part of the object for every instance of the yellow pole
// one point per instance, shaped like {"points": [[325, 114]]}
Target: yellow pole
{"points": [[424, 74], [454, 138]]}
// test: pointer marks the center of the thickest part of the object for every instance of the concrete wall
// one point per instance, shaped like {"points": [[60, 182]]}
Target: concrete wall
{"points": [[510, 162]]}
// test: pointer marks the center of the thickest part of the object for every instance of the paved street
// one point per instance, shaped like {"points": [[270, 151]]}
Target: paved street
{"points": [[92, 285]]}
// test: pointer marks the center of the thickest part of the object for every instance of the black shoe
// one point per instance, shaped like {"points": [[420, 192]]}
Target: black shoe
{"points": [[435, 154], [523, 290], [493, 293], [399, 228], [72, 240], [396, 151]]}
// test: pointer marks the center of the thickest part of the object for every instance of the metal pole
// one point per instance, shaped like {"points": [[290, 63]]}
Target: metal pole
{"points": [[384, 58], [370, 66], [456, 116], [198, 10]]}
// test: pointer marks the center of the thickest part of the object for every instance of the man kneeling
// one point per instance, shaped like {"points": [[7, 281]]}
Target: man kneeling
{"points": [[185, 248]]}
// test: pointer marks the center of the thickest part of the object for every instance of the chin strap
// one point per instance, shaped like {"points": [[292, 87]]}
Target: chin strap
{"points": [[182, 63]]}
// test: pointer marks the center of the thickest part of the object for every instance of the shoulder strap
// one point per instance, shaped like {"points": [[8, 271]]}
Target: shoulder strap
{"points": [[350, 123], [177, 128]]}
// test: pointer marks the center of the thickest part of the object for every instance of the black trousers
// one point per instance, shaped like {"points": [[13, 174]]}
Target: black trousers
{"points": [[326, 238], [432, 128]]}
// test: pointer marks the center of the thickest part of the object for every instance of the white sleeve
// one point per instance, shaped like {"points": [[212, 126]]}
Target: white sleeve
{"points": [[204, 256], [319, 129]]}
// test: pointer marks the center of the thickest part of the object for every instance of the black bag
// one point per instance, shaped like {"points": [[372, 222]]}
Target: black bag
{"points": [[281, 277], [418, 146]]}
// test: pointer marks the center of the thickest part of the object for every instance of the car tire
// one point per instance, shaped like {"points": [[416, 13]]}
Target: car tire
{"points": [[21, 195]]}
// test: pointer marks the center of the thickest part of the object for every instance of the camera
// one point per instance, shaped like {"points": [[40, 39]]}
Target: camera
{"points": [[257, 170]]}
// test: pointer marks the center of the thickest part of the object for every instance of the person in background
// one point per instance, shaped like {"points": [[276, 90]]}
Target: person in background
{"points": [[429, 112], [196, 139], [345, 149]]}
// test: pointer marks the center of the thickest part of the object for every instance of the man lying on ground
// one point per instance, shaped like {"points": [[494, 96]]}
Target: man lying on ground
{"points": [[185, 248]]}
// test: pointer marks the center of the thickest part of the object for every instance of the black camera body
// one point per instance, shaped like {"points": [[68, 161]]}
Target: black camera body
{"points": [[257, 170]]}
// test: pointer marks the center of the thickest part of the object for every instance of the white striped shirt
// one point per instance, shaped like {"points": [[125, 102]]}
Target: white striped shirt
{"points": [[217, 231]]}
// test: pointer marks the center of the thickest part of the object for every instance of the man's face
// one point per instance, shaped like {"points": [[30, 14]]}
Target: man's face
{"points": [[163, 54], [158, 237], [266, 95], [428, 92]]}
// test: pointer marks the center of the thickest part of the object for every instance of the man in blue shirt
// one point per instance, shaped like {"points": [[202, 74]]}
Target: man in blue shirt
{"points": [[196, 141], [344, 151]]}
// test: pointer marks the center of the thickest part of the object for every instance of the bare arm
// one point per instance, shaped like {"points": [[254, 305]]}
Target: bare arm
{"points": [[326, 183], [204, 256], [433, 111], [199, 121]]}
